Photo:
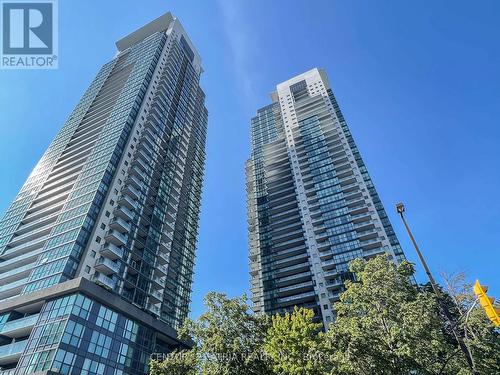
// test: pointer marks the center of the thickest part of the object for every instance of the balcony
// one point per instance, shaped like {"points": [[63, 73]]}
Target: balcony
{"points": [[16, 273], [294, 278], [367, 234], [111, 251], [106, 266], [134, 181], [163, 257], [334, 295], [11, 371], [157, 295], [293, 259], [19, 327], [104, 281], [336, 281], [12, 352], [138, 173], [9, 290], [128, 202], [363, 216], [297, 298], [131, 191], [12, 264], [24, 248], [375, 251], [116, 238], [158, 282], [139, 163], [329, 263], [154, 309], [301, 287], [363, 225], [293, 269], [120, 225], [124, 213], [371, 244], [163, 270]]}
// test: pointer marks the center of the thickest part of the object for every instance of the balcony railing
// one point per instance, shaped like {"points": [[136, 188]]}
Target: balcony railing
{"points": [[111, 251], [296, 286], [107, 266], [120, 225], [296, 297], [9, 353], [153, 308], [124, 213], [19, 326], [105, 281], [115, 238]]}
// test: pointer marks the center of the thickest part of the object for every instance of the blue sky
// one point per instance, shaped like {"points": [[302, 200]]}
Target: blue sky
{"points": [[418, 83]]}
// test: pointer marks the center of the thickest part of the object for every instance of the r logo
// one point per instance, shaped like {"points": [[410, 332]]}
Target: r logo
{"points": [[27, 28]]}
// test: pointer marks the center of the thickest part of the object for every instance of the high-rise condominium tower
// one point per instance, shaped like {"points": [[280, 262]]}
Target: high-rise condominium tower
{"points": [[312, 206], [97, 249]]}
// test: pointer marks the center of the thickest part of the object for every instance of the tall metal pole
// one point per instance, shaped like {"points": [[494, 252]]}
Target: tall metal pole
{"points": [[468, 356]]}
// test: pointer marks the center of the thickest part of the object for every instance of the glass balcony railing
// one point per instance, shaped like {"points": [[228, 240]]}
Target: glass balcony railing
{"points": [[12, 349], [105, 281], [19, 324], [11, 371], [15, 284], [107, 266], [111, 251]]}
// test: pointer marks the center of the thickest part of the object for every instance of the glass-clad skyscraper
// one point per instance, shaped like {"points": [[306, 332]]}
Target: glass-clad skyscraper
{"points": [[312, 206], [97, 249]]}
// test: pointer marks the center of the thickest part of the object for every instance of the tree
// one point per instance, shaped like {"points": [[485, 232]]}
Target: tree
{"points": [[294, 344], [481, 337], [386, 325], [228, 341]]}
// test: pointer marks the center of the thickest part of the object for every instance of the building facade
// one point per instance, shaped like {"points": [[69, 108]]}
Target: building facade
{"points": [[97, 250], [312, 206]]}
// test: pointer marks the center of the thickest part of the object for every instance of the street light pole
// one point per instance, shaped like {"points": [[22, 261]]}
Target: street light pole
{"points": [[468, 356]]}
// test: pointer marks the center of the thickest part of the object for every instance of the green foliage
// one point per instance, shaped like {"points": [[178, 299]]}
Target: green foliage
{"points": [[384, 324], [229, 337], [479, 333], [294, 344]]}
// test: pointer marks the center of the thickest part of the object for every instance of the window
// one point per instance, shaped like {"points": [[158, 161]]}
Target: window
{"points": [[63, 362], [107, 213], [98, 239], [73, 334], [92, 367], [87, 269], [92, 253], [100, 344], [40, 361], [107, 319], [103, 226], [82, 306]]}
